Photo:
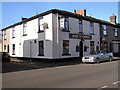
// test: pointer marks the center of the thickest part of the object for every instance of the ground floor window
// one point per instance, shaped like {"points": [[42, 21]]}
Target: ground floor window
{"points": [[8, 48], [105, 46], [97, 48], [91, 46], [65, 47], [111, 47], [13, 49], [41, 48], [4, 48]]}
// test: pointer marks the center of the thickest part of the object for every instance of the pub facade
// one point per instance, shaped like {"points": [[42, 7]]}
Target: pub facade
{"points": [[54, 34]]}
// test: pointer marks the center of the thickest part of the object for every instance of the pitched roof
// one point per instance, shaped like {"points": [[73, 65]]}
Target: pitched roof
{"points": [[65, 13]]}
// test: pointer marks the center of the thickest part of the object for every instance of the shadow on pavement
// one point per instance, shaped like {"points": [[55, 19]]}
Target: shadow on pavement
{"points": [[39, 64], [36, 64]]}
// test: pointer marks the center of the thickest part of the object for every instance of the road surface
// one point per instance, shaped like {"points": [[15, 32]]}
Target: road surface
{"points": [[103, 75]]}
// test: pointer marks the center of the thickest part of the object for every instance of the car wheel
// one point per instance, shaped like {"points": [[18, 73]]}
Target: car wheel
{"points": [[97, 60], [110, 58]]}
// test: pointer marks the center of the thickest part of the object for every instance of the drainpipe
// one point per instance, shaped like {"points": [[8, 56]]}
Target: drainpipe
{"points": [[30, 51]]}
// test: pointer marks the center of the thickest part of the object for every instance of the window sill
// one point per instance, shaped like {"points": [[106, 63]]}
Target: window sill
{"points": [[13, 54], [13, 37], [40, 31], [40, 54], [80, 32], [65, 30], [66, 54], [25, 35], [92, 34], [105, 35]]}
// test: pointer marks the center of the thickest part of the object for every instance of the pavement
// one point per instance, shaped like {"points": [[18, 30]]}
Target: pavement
{"points": [[61, 74]]}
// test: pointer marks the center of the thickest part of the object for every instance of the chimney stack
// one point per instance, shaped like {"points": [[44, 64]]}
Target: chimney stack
{"points": [[113, 19], [81, 12], [22, 19]]}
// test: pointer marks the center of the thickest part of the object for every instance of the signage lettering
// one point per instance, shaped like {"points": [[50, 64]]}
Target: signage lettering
{"points": [[79, 36]]}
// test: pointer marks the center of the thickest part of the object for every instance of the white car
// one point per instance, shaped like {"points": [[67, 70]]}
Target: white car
{"points": [[98, 56]]}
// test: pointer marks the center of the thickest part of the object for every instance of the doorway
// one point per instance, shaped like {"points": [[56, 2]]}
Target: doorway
{"points": [[81, 50]]}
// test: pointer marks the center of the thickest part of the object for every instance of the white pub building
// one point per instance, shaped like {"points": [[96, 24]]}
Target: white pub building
{"points": [[54, 34]]}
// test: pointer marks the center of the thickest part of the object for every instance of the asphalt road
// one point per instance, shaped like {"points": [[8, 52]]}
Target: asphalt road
{"points": [[103, 75]]}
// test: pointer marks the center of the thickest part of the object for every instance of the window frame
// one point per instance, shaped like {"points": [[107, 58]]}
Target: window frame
{"points": [[4, 48], [92, 27], [92, 46], [5, 34], [65, 23], [65, 49], [13, 49], [80, 26], [105, 30], [40, 24], [25, 29], [13, 32], [40, 49], [116, 32]]}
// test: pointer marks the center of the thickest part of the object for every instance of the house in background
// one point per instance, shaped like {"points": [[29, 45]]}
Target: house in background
{"points": [[56, 34]]}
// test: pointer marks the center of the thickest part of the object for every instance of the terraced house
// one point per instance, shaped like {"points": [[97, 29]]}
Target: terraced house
{"points": [[56, 34]]}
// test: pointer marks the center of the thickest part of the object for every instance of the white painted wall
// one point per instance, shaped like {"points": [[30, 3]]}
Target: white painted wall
{"points": [[74, 28], [22, 43], [52, 37]]}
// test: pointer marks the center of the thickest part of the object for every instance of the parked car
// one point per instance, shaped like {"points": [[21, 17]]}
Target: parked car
{"points": [[5, 57], [98, 56]]}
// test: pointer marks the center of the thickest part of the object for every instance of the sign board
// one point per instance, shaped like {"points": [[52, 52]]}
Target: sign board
{"points": [[79, 36], [62, 23]]}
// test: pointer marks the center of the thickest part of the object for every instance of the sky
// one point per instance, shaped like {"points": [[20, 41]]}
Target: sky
{"points": [[12, 12]]}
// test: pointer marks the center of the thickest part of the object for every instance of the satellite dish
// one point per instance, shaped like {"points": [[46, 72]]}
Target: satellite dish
{"points": [[45, 25]]}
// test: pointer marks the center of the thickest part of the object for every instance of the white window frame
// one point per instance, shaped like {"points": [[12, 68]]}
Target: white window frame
{"points": [[64, 23], [25, 29], [40, 22], [104, 30], [5, 35], [13, 32], [91, 28], [116, 32], [80, 26]]}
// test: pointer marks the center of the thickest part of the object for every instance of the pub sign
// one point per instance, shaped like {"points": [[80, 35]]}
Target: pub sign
{"points": [[79, 36]]}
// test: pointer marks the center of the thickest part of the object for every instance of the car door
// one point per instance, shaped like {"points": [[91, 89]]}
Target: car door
{"points": [[105, 56], [101, 56]]}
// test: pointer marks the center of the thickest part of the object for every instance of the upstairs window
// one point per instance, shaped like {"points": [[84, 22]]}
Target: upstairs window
{"points": [[24, 29], [104, 30], [116, 32], [41, 24], [13, 32], [64, 24], [80, 26], [91, 28], [5, 35]]}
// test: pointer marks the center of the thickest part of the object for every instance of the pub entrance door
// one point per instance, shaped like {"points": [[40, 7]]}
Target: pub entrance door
{"points": [[81, 50]]}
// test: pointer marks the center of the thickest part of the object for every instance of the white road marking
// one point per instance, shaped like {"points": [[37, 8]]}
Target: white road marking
{"points": [[116, 82], [104, 87]]}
